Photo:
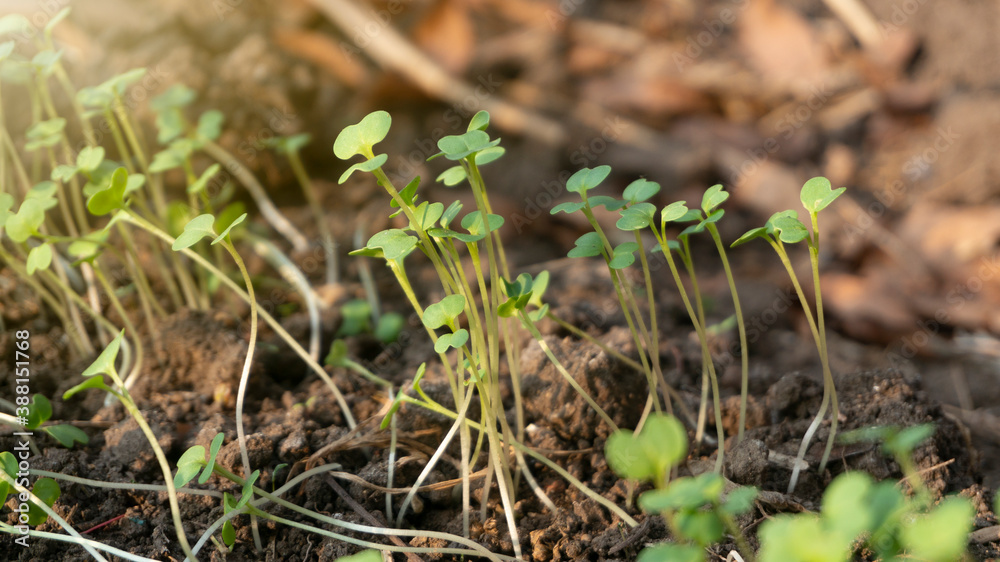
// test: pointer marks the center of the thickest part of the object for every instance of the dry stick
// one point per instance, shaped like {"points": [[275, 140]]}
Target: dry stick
{"points": [[859, 20], [364, 513], [392, 51], [267, 209], [274, 324]]}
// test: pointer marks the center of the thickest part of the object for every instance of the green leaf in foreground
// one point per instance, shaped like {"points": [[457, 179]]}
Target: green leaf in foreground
{"points": [[112, 197]]}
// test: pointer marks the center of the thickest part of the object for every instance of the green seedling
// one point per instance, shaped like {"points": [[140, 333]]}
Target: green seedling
{"points": [[785, 228], [639, 215], [698, 509], [356, 318], [93, 376], [617, 259], [45, 489], [860, 513], [199, 228]]}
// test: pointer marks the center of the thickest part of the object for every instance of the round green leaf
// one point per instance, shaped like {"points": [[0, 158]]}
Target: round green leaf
{"points": [[609, 203], [587, 179], [25, 223], [394, 243], [457, 147], [941, 535], [665, 439], [452, 176], [640, 190], [198, 228], [818, 193], [39, 411], [623, 255], [760, 232], [636, 217], [488, 155], [366, 166], [112, 197], [627, 457], [360, 138], [444, 312], [201, 183], [568, 207], [714, 197], [787, 227], [456, 340], [389, 326], [67, 435], [39, 258], [47, 490], [90, 158], [588, 245], [673, 212], [175, 96], [210, 124], [480, 121]]}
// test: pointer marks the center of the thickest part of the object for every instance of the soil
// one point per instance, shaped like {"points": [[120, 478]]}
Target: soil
{"points": [[881, 282]]}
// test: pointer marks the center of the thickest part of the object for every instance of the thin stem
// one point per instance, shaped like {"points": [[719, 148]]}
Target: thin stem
{"points": [[326, 236], [274, 324], [175, 509], [829, 386], [267, 209], [245, 375], [562, 370], [703, 339], [744, 350]]}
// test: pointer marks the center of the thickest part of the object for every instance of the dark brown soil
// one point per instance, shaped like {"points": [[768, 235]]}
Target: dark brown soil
{"points": [[187, 408]]}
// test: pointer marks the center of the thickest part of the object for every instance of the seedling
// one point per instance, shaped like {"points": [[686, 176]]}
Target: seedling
{"points": [[697, 508], [201, 227], [641, 215], [858, 512], [45, 489], [104, 365], [620, 257], [785, 228]]}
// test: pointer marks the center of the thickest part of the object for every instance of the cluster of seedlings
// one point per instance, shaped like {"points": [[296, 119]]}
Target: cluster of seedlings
{"points": [[70, 214]]}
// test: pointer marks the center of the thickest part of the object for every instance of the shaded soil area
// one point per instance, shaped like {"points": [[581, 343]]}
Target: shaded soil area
{"points": [[292, 419]]}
